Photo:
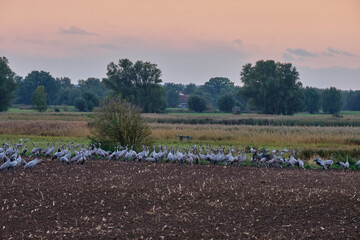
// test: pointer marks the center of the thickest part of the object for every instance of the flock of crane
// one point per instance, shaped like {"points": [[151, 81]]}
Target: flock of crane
{"points": [[11, 155]]}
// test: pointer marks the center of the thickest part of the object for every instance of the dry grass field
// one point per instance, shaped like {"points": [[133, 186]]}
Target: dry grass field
{"points": [[343, 137], [58, 128], [311, 140]]}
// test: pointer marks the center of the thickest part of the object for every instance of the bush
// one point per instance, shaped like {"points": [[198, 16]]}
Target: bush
{"points": [[80, 104], [91, 100], [57, 109], [196, 103], [39, 99], [117, 122], [65, 108]]}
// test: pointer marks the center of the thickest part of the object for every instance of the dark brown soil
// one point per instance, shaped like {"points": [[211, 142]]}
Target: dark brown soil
{"points": [[105, 200]]}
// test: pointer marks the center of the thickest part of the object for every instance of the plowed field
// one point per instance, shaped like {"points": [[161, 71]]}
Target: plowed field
{"points": [[104, 200]]}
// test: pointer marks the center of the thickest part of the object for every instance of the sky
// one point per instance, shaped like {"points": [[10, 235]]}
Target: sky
{"points": [[189, 40]]}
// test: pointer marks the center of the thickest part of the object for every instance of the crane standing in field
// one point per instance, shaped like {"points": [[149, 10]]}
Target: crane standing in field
{"points": [[329, 163], [33, 163], [344, 165], [178, 154], [357, 164]]}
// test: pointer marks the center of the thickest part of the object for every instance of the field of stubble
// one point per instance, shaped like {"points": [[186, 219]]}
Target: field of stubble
{"points": [[103, 200]]}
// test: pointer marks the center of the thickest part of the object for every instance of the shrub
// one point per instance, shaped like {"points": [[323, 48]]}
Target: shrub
{"points": [[91, 100], [80, 104], [117, 122], [65, 108], [39, 99]]}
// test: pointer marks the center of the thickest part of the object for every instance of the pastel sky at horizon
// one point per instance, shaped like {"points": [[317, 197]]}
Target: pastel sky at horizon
{"points": [[190, 41]]}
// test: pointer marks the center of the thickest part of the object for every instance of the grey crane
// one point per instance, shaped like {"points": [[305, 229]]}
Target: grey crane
{"points": [[24, 150], [329, 163], [320, 162], [33, 163], [2, 156], [6, 164], [357, 164], [43, 151], [50, 151], [82, 160], [345, 165], [66, 158], [36, 150], [300, 163]]}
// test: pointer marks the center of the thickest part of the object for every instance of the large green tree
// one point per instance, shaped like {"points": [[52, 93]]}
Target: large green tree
{"points": [[352, 100], [94, 85], [189, 89], [273, 87], [64, 92], [7, 84], [172, 91], [172, 98], [138, 83], [216, 87], [331, 100], [312, 99], [32, 81], [226, 103]]}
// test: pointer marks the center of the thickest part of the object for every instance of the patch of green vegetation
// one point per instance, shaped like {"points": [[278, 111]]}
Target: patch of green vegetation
{"points": [[19, 110], [50, 109], [351, 113], [201, 114]]}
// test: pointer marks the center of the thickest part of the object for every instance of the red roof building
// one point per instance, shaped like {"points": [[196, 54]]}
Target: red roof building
{"points": [[183, 99]]}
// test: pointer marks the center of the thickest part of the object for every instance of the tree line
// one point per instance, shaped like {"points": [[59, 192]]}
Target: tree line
{"points": [[268, 87]]}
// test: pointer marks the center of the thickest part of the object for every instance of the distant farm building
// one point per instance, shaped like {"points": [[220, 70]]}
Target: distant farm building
{"points": [[183, 100]]}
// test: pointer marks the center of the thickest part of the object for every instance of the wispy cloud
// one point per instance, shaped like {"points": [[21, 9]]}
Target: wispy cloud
{"points": [[37, 41], [332, 51], [301, 52], [287, 57], [238, 41], [107, 46], [76, 31]]}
